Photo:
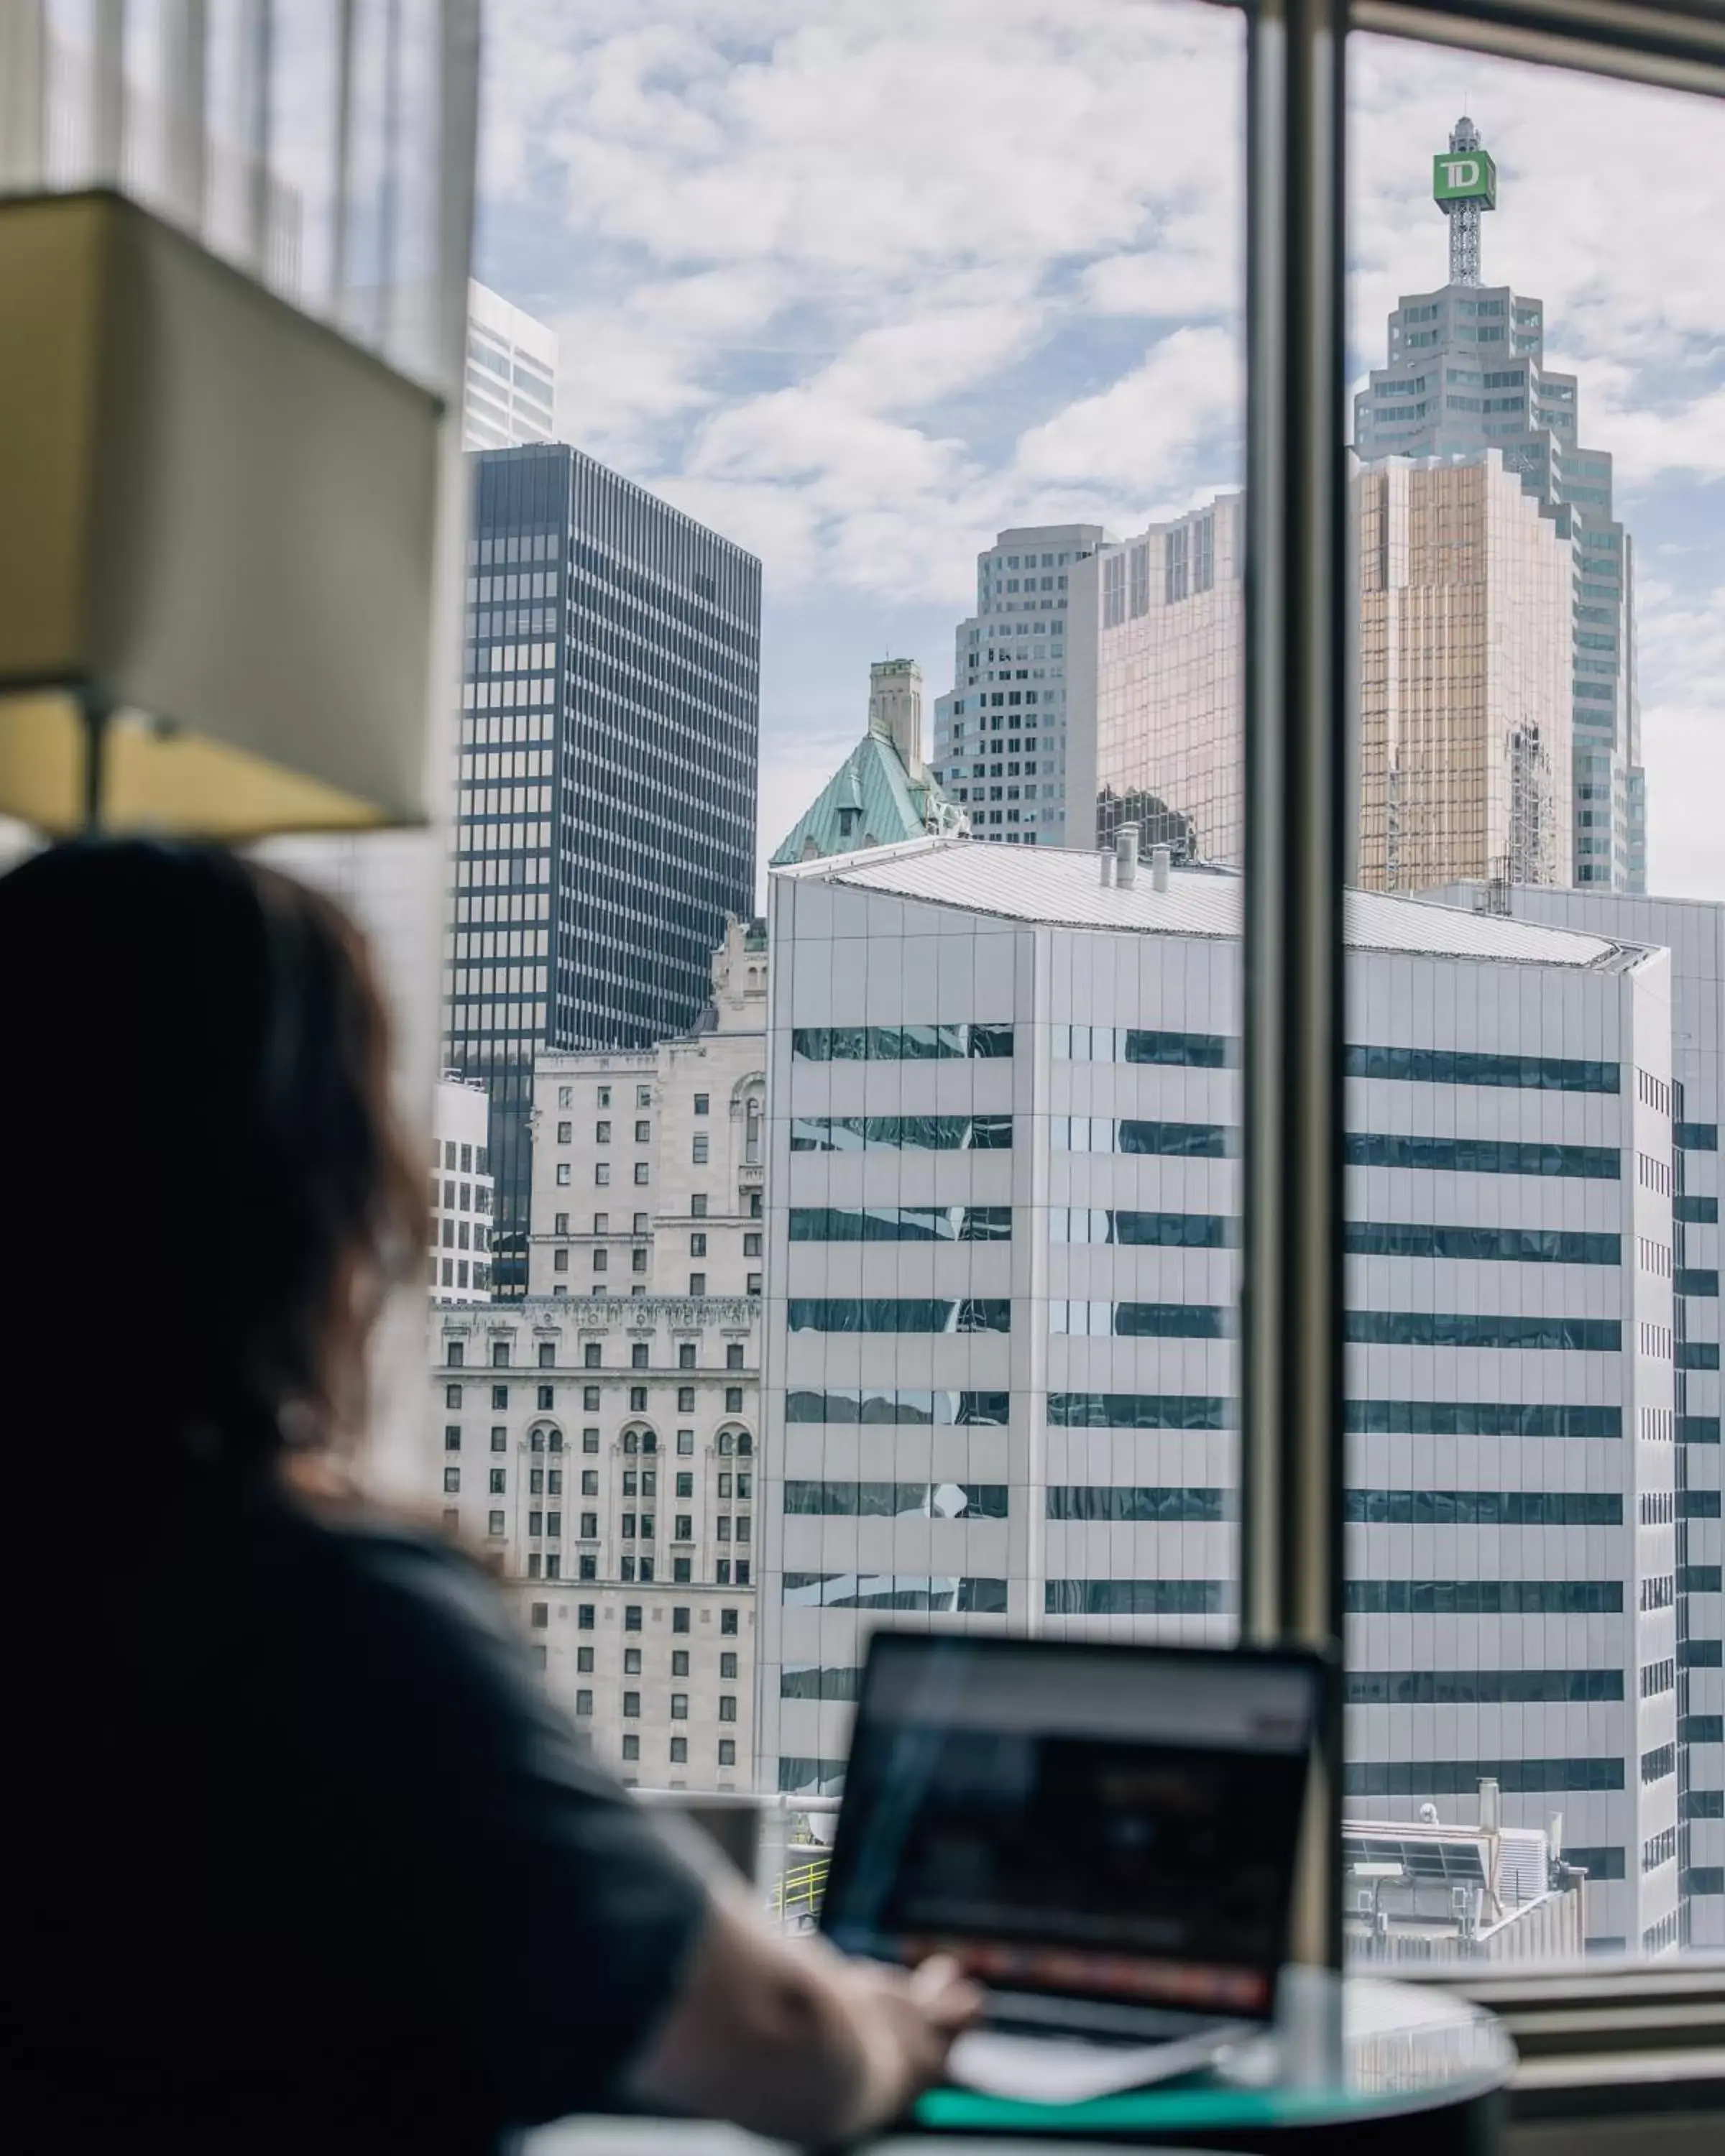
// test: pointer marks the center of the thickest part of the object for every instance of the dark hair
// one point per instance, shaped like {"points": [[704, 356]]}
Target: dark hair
{"points": [[197, 1107]]}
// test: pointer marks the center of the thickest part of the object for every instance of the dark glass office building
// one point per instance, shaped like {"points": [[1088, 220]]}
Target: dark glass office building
{"points": [[605, 809]]}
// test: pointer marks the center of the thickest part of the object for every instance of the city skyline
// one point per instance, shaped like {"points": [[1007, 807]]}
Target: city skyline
{"points": [[1057, 338]]}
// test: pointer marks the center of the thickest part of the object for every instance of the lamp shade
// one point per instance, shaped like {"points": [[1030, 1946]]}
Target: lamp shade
{"points": [[218, 526]]}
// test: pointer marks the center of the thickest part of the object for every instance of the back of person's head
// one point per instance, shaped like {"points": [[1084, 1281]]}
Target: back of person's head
{"points": [[208, 1191]]}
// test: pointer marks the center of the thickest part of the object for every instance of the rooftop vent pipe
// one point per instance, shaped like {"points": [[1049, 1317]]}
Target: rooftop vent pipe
{"points": [[1105, 862], [1162, 860], [1125, 856]]}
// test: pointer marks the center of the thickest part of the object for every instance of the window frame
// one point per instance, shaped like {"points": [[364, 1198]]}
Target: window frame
{"points": [[1298, 636]]}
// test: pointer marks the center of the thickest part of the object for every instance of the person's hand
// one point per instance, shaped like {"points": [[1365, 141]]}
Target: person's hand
{"points": [[914, 2016]]}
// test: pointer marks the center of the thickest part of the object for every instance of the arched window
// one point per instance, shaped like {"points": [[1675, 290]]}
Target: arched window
{"points": [[535, 1442], [724, 1440], [631, 1440], [745, 1443]]}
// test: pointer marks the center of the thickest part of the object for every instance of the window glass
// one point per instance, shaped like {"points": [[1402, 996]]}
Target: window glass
{"points": [[1535, 1309]]}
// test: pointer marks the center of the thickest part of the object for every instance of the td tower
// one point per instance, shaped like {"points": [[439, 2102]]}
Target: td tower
{"points": [[1467, 372]]}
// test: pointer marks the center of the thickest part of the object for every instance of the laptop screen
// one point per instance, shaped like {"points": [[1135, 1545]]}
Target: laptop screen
{"points": [[1098, 1822]]}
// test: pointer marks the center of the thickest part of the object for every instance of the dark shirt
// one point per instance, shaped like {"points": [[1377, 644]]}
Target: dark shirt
{"points": [[318, 1868]]}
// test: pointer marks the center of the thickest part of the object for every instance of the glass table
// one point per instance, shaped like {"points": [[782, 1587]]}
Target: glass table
{"points": [[1356, 2063]]}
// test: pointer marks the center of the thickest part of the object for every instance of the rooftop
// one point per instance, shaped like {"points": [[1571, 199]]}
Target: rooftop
{"points": [[1060, 887], [872, 797]]}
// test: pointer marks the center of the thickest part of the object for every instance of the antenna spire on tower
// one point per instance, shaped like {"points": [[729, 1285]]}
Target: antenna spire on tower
{"points": [[1464, 182]]}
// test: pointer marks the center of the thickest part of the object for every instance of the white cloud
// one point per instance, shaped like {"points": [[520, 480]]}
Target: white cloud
{"points": [[1145, 430], [860, 284]]}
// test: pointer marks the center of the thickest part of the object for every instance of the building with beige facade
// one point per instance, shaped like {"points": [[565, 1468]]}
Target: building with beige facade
{"points": [[648, 1163], [596, 1440], [1464, 686], [599, 1456]]}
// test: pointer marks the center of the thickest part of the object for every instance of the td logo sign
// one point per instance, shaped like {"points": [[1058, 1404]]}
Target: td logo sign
{"points": [[1469, 178]]}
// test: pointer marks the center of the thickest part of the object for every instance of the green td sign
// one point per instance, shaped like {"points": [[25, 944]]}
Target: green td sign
{"points": [[1464, 175]]}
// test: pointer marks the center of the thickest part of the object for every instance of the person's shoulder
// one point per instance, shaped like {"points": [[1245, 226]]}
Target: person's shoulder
{"points": [[385, 1568], [405, 1645]]}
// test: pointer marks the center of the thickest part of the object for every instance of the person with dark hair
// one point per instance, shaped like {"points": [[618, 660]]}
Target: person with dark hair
{"points": [[316, 1866]]}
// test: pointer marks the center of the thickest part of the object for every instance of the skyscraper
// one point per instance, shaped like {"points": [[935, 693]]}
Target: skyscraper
{"points": [[1000, 750], [605, 822], [510, 380], [1464, 677], [1467, 371]]}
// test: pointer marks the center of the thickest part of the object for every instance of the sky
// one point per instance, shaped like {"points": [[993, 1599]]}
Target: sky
{"points": [[860, 282]]}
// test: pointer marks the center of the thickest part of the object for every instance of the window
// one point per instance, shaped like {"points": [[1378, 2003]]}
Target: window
{"points": [[641, 1172], [500, 1396], [727, 1752], [494, 1523], [454, 1354], [697, 1246], [631, 1747], [727, 1620], [727, 1707], [632, 1617], [700, 1103], [452, 1437], [546, 1396], [679, 1750], [679, 1707], [698, 1206], [733, 1355], [697, 1283], [499, 1480], [685, 1355], [601, 1173], [452, 1396], [452, 1481], [698, 1149], [752, 1245], [499, 1438], [727, 1665]]}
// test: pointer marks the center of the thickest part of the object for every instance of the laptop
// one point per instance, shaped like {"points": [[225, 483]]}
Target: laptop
{"points": [[1103, 1836]]}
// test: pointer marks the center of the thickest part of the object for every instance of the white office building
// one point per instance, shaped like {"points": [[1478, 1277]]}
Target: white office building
{"points": [[463, 1194], [1004, 734], [1000, 1375], [509, 389], [1693, 932]]}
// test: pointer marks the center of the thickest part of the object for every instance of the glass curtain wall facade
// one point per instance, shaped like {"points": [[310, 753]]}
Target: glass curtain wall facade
{"points": [[1464, 683], [1001, 1362], [605, 819], [1169, 686]]}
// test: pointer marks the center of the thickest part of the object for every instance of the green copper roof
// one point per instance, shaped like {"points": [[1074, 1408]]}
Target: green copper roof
{"points": [[871, 800]]}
